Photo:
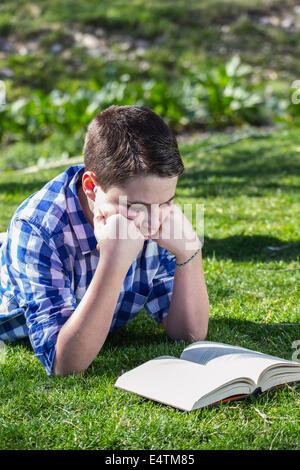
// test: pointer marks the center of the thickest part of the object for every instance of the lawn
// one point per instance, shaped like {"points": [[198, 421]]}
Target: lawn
{"points": [[250, 191]]}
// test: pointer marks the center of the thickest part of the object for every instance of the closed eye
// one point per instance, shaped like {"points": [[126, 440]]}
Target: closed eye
{"points": [[164, 204], [143, 204], [168, 203]]}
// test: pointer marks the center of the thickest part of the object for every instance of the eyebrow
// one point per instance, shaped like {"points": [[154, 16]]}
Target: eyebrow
{"points": [[146, 204]]}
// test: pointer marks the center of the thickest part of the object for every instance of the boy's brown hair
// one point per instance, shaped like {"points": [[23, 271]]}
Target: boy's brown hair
{"points": [[124, 141]]}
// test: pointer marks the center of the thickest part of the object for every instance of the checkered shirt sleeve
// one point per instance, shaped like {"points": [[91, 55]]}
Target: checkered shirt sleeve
{"points": [[44, 287], [158, 302]]}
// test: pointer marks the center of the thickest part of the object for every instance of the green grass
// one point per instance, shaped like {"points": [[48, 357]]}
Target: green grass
{"points": [[250, 191]]}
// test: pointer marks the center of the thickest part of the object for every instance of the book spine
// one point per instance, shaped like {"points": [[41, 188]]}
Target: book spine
{"points": [[256, 392]]}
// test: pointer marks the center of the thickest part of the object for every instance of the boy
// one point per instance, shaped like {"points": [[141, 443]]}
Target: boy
{"points": [[69, 276]]}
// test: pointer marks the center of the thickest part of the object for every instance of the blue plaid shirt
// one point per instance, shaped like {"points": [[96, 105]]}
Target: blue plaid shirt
{"points": [[47, 260]]}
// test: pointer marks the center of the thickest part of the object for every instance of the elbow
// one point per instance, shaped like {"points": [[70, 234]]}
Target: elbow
{"points": [[191, 335], [66, 372], [197, 335], [192, 330], [62, 371], [188, 336]]}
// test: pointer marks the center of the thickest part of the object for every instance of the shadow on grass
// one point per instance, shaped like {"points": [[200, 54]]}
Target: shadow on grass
{"points": [[237, 166], [270, 154], [137, 343], [251, 248], [248, 169], [143, 339], [133, 345], [218, 188]]}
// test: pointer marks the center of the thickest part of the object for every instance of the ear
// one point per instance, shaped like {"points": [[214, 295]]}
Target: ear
{"points": [[89, 184]]}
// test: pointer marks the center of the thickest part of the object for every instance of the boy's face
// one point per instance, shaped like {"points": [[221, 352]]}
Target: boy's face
{"points": [[148, 198]]}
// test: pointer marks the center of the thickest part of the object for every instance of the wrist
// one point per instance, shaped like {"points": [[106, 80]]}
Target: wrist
{"points": [[119, 265], [185, 254]]}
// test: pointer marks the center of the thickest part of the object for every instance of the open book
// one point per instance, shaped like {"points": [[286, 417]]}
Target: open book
{"points": [[207, 373]]}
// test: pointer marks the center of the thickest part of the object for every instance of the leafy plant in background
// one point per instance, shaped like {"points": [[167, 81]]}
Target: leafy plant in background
{"points": [[221, 95], [217, 97], [163, 98], [36, 120], [292, 109]]}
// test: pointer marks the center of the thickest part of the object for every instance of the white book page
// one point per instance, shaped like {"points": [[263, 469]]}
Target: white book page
{"points": [[244, 364], [204, 351], [280, 375], [177, 382], [243, 361]]}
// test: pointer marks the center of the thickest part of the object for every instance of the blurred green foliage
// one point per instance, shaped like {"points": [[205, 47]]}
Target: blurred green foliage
{"points": [[221, 95], [215, 98], [200, 65]]}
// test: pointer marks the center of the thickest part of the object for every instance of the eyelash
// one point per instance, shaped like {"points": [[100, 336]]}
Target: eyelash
{"points": [[165, 204]]}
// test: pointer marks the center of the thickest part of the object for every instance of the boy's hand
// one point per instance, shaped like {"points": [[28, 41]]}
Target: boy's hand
{"points": [[117, 234], [176, 234], [103, 209]]}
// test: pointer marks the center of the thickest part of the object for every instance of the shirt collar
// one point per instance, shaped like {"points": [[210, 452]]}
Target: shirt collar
{"points": [[83, 230]]}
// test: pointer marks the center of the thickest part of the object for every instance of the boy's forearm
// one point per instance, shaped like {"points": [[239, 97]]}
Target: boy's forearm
{"points": [[83, 335], [188, 314]]}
